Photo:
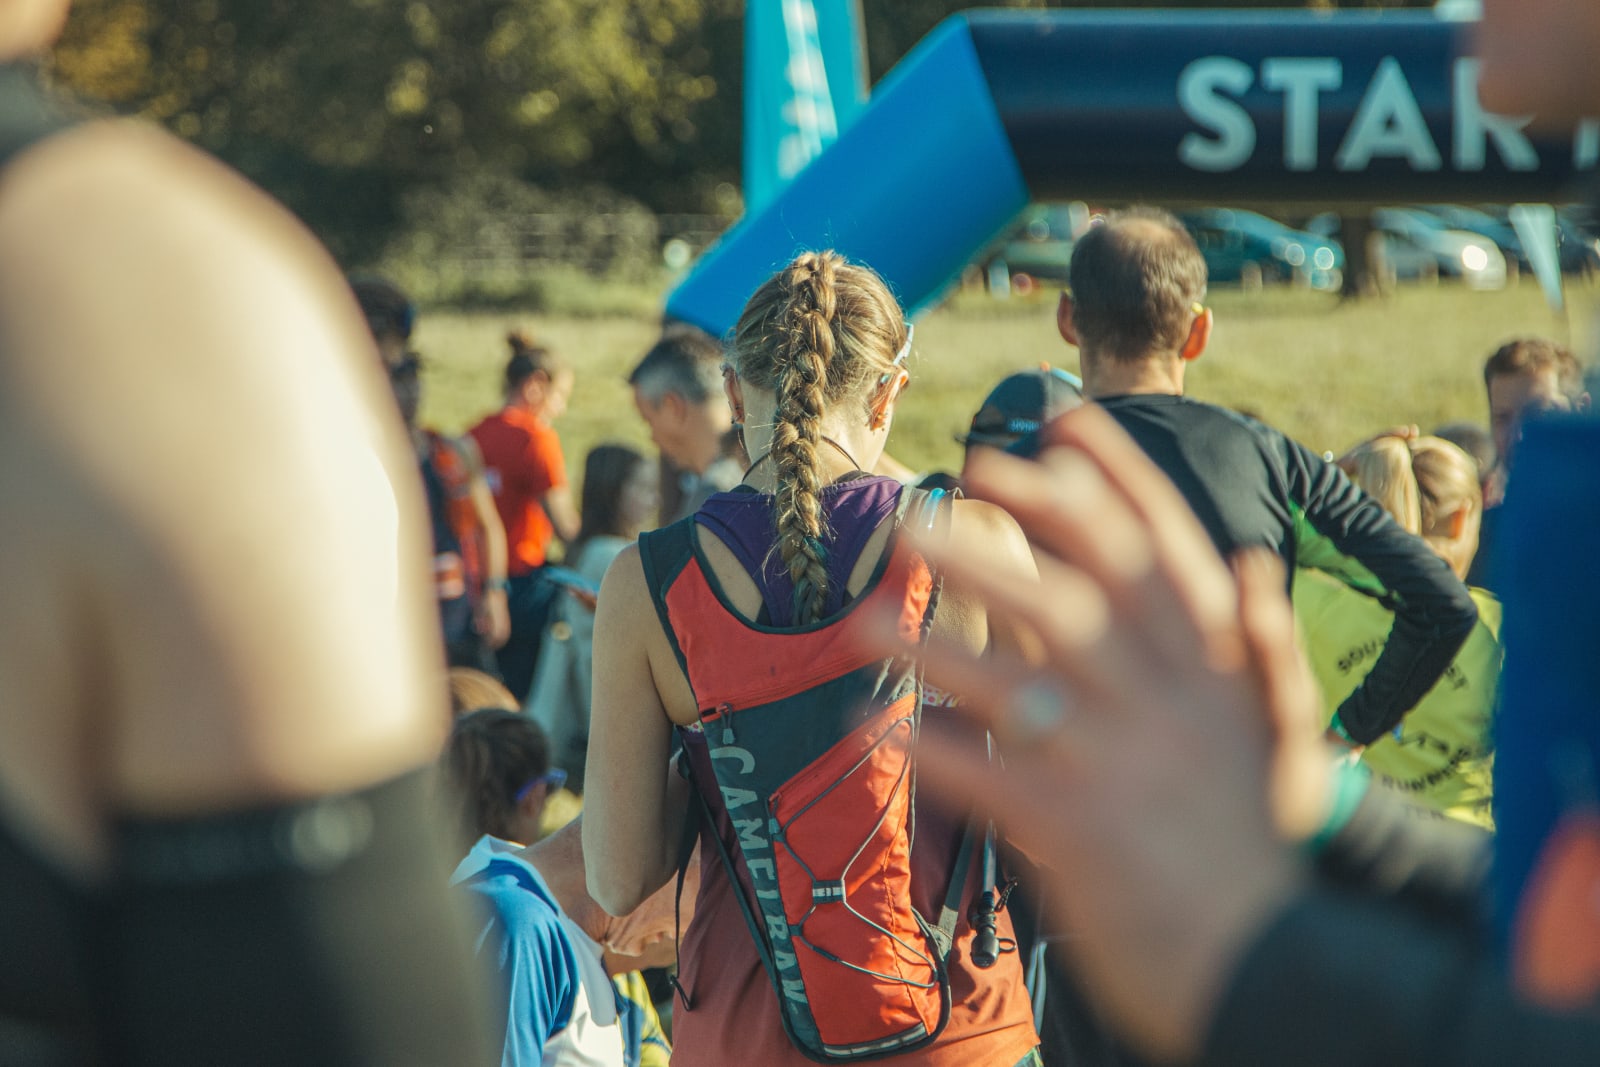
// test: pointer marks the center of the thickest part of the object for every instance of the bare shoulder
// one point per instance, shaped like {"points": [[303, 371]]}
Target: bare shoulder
{"points": [[180, 355], [980, 516], [980, 522], [633, 653], [115, 175], [983, 529], [135, 262], [624, 593], [159, 309]]}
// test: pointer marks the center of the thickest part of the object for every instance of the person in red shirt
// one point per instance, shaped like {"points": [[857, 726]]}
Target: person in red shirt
{"points": [[526, 473]]}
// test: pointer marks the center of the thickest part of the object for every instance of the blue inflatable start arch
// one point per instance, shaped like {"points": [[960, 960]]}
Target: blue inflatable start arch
{"points": [[994, 109]]}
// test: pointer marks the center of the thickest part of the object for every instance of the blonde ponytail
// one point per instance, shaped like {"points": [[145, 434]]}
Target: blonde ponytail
{"points": [[1382, 466], [1423, 482]]}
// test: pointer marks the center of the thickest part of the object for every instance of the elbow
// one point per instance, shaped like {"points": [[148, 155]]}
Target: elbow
{"points": [[617, 896], [1446, 616], [1461, 618], [617, 890]]}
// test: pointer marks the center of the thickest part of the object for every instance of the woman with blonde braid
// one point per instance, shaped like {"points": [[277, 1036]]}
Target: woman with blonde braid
{"points": [[756, 614], [1441, 754]]}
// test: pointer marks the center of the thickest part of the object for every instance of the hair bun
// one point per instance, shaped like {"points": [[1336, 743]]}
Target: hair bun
{"points": [[529, 358]]}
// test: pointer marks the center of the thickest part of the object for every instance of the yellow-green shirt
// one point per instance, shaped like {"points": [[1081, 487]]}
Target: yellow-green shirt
{"points": [[645, 1045], [1443, 756]]}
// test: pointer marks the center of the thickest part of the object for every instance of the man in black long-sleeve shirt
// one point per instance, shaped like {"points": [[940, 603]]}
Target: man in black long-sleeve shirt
{"points": [[1135, 313]]}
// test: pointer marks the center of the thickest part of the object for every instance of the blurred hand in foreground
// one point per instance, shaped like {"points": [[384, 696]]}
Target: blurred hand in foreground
{"points": [[1161, 744]]}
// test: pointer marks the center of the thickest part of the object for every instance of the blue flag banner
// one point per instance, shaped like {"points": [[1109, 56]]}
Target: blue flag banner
{"points": [[805, 80]]}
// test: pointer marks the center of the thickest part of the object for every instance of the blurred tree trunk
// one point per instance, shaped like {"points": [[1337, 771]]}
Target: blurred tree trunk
{"points": [[1365, 272]]}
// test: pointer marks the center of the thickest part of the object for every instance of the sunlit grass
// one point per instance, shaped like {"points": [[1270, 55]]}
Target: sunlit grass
{"points": [[1325, 373]]}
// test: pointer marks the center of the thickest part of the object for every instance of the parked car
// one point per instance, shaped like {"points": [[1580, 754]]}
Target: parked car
{"points": [[1254, 250], [1419, 247], [1500, 231], [1039, 245], [1578, 251]]}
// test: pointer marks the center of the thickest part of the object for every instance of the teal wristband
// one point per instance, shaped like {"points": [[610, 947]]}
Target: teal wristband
{"points": [[1348, 786], [498, 585], [1338, 727]]}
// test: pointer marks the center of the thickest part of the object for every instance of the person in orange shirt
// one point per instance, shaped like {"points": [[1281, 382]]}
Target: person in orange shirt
{"points": [[528, 476]]}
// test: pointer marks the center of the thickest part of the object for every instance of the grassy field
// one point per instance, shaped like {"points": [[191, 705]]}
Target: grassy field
{"points": [[1324, 373]]}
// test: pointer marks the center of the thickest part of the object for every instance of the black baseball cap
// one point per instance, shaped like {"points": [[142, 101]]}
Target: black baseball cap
{"points": [[1021, 404]]}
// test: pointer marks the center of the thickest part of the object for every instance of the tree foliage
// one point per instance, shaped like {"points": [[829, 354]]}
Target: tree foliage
{"points": [[342, 107], [345, 108]]}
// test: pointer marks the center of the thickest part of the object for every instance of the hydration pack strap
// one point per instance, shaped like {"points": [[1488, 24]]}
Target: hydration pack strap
{"points": [[664, 553], [703, 811], [691, 830], [927, 520], [986, 947], [945, 932], [928, 511]]}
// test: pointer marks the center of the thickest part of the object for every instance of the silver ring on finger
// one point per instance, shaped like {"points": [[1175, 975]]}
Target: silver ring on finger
{"points": [[1036, 711]]}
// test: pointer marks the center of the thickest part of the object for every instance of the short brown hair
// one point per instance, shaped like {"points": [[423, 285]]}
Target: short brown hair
{"points": [[1535, 355], [491, 755], [1135, 280]]}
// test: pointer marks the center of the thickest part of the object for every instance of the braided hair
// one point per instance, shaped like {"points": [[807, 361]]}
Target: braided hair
{"points": [[819, 333]]}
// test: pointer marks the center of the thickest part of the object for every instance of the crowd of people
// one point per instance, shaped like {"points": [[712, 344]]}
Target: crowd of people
{"points": [[1150, 735]]}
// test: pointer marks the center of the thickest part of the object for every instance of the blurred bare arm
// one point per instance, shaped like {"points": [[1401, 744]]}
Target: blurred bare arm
{"points": [[493, 616], [218, 647], [563, 513], [634, 802], [223, 513]]}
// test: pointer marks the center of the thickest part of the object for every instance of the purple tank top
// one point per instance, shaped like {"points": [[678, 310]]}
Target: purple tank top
{"points": [[745, 521]]}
